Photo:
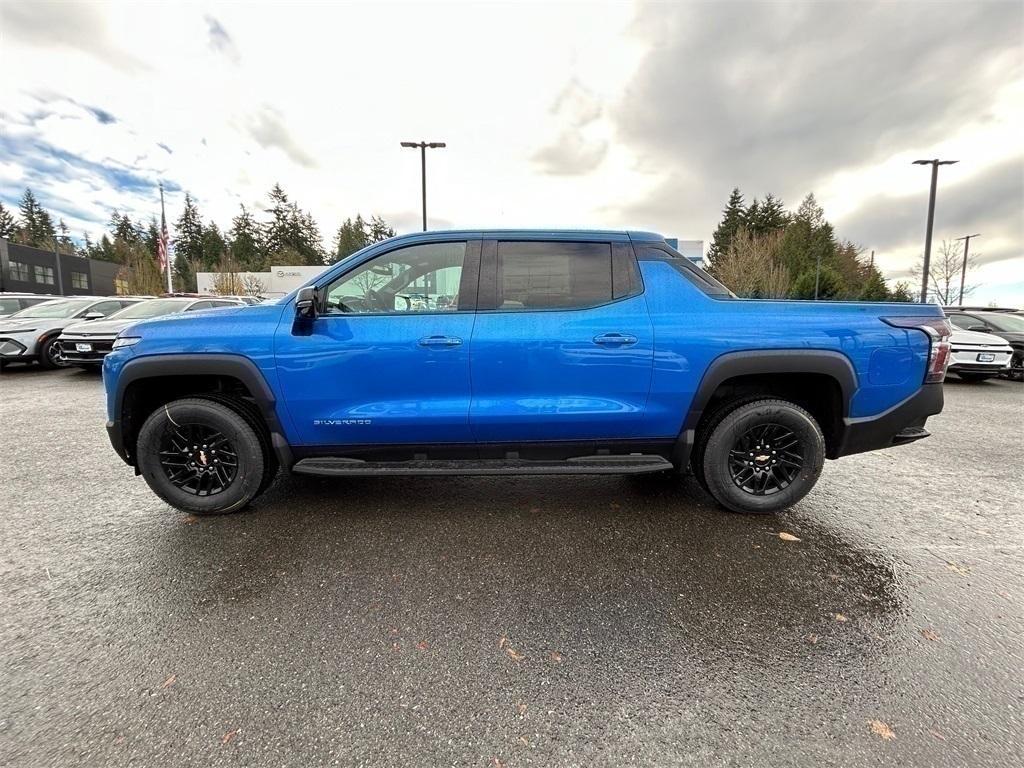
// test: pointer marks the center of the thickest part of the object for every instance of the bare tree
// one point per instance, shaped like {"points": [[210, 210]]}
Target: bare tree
{"points": [[252, 285], [944, 272], [227, 281], [751, 267]]}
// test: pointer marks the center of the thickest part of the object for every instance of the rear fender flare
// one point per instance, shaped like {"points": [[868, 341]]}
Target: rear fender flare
{"points": [[732, 364]]}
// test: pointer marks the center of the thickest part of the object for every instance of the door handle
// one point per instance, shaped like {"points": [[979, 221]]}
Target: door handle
{"points": [[614, 339], [440, 341]]}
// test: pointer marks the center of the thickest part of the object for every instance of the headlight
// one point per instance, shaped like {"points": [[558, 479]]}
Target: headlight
{"points": [[126, 341]]}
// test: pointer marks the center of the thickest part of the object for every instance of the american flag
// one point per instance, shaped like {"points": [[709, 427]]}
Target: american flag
{"points": [[161, 244]]}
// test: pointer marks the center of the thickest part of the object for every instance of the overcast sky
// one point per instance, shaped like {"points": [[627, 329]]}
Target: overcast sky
{"points": [[618, 115]]}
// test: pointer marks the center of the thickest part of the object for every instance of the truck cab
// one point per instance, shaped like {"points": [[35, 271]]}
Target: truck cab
{"points": [[520, 352]]}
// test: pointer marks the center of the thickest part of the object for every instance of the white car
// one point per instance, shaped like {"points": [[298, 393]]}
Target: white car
{"points": [[977, 356]]}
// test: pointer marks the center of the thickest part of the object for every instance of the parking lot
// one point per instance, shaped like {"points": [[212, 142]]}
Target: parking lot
{"points": [[511, 621]]}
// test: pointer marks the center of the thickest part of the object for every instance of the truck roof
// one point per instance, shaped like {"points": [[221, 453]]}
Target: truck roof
{"points": [[535, 234]]}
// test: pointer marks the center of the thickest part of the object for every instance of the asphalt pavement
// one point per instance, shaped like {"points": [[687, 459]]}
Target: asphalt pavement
{"points": [[511, 621]]}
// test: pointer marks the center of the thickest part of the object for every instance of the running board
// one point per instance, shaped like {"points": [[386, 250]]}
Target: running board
{"points": [[583, 465]]}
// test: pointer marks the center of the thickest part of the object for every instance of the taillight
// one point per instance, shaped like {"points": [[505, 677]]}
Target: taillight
{"points": [[938, 331]]}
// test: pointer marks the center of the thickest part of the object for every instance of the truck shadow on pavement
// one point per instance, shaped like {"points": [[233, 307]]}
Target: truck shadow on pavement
{"points": [[503, 596]]}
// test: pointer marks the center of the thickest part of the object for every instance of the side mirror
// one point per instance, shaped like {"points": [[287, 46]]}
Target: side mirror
{"points": [[93, 315], [979, 328], [306, 303]]}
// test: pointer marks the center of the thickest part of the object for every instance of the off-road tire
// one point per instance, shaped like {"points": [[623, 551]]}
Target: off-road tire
{"points": [[731, 428], [203, 413]]}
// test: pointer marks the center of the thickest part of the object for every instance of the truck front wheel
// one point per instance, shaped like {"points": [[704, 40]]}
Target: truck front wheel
{"points": [[201, 456], [763, 457]]}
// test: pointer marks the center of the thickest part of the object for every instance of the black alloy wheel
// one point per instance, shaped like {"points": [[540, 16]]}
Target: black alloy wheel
{"points": [[766, 459], [198, 459]]}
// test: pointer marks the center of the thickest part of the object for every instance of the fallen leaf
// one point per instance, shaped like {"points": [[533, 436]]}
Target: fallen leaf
{"points": [[937, 735], [189, 519], [929, 634], [422, 645], [514, 654], [521, 708], [840, 618], [498, 763], [555, 656], [169, 681], [882, 730], [503, 642], [812, 639], [523, 741], [962, 570], [229, 736], [788, 536], [396, 647], [394, 631]]}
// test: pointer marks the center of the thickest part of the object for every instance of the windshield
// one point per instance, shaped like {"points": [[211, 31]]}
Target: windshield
{"points": [[7, 306], [151, 308], [1009, 323], [53, 309]]}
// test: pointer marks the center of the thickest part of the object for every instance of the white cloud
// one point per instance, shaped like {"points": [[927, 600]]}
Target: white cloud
{"points": [[318, 97]]}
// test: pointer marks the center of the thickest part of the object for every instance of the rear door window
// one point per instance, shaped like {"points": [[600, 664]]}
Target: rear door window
{"points": [[553, 275]]}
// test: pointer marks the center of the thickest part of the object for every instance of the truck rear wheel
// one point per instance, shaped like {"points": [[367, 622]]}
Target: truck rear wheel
{"points": [[763, 456], [201, 456]]}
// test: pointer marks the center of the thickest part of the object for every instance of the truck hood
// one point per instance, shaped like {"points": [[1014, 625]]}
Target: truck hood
{"points": [[19, 325], [98, 328]]}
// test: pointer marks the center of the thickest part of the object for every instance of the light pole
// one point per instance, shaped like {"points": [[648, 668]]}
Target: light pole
{"points": [[963, 271], [931, 219], [423, 146]]}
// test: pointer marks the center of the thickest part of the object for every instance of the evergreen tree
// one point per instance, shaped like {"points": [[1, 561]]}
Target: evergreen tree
{"points": [[214, 247], [151, 238], [124, 229], [902, 292], [874, 288], [7, 222], [350, 238], [245, 242], [36, 223], [64, 242], [277, 231], [380, 230], [769, 216], [732, 219], [188, 245]]}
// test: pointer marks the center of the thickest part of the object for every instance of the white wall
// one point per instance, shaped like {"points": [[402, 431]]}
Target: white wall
{"points": [[278, 281]]}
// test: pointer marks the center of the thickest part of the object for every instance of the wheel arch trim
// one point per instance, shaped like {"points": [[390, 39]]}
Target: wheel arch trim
{"points": [[731, 365], [207, 364]]}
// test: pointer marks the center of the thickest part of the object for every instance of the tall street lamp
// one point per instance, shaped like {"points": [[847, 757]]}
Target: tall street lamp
{"points": [[423, 147], [963, 271], [931, 219]]}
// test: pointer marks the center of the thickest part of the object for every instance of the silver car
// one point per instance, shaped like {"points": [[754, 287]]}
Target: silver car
{"points": [[33, 333], [86, 344], [15, 302]]}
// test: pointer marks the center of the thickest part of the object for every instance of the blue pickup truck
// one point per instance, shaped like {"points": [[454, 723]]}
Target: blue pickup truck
{"points": [[520, 352]]}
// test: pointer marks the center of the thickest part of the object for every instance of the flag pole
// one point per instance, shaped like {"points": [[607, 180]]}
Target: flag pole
{"points": [[163, 239]]}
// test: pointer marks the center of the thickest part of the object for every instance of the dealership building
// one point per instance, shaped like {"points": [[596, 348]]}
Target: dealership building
{"points": [[33, 270], [277, 282]]}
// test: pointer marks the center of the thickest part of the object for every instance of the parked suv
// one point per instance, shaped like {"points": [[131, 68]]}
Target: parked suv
{"points": [[1005, 325], [520, 352], [15, 302], [32, 334], [86, 344]]}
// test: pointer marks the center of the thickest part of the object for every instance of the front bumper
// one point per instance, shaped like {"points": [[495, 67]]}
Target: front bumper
{"points": [[901, 424], [99, 348], [13, 349]]}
